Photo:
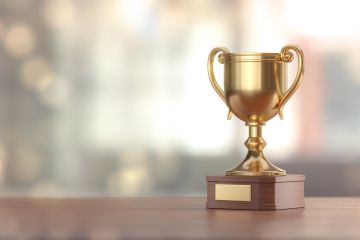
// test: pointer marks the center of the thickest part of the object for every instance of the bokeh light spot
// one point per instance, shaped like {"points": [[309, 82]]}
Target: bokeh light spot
{"points": [[59, 13], [56, 93], [35, 72], [19, 40]]}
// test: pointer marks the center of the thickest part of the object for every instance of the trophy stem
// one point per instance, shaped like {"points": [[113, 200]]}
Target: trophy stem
{"points": [[255, 163]]}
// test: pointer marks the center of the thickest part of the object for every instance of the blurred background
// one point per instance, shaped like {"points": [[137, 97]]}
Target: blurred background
{"points": [[112, 97]]}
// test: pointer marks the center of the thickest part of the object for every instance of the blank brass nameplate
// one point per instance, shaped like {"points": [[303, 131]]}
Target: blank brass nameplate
{"points": [[232, 192]]}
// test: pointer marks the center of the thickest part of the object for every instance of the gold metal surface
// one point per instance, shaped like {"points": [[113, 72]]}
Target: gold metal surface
{"points": [[212, 78], [232, 192], [288, 57], [255, 90]]}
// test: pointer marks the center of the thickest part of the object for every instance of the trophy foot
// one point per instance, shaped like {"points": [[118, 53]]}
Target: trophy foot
{"points": [[249, 173], [255, 163]]}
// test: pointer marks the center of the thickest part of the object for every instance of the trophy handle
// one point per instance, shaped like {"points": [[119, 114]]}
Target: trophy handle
{"points": [[287, 56], [210, 67]]}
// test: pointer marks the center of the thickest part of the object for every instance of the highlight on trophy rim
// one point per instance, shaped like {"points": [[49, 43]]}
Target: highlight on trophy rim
{"points": [[255, 90]]}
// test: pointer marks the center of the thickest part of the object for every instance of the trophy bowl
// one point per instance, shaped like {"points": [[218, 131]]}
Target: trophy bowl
{"points": [[255, 90]]}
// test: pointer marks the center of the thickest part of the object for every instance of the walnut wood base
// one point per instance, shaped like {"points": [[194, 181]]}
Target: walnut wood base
{"points": [[255, 192]]}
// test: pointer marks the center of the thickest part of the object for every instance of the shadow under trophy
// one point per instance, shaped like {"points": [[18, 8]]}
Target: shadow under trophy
{"points": [[255, 90]]}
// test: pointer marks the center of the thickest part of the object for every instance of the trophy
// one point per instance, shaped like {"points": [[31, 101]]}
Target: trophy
{"points": [[255, 91]]}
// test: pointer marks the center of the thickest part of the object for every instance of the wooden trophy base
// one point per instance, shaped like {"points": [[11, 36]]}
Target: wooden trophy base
{"points": [[255, 192]]}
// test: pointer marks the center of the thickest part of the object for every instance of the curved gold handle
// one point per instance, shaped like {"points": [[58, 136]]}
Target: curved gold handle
{"points": [[287, 56], [212, 78]]}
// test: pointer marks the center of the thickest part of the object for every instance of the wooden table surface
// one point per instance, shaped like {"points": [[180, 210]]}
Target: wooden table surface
{"points": [[173, 218]]}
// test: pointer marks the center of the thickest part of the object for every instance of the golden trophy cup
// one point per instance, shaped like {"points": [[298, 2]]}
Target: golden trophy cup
{"points": [[255, 90]]}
